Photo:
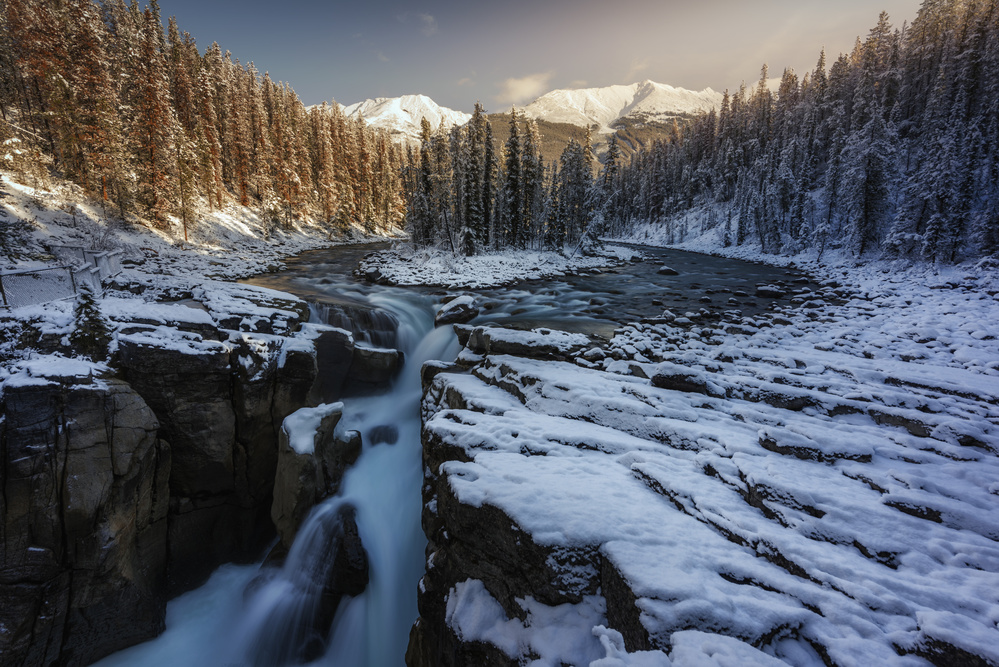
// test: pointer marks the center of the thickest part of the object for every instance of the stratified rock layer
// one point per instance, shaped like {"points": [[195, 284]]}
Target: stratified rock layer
{"points": [[788, 503], [122, 488]]}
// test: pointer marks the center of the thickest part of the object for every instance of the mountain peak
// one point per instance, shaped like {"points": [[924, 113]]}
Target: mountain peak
{"points": [[643, 101], [402, 116]]}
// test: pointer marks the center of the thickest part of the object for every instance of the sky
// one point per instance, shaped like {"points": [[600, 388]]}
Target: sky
{"points": [[512, 51]]}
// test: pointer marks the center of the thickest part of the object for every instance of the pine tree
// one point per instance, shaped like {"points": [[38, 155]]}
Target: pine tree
{"points": [[513, 196], [533, 187], [91, 335], [475, 167], [489, 175]]}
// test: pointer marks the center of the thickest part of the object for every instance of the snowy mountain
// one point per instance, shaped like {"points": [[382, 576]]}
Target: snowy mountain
{"points": [[401, 116], [638, 102]]}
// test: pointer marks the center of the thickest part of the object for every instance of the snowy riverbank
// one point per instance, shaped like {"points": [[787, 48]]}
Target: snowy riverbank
{"points": [[811, 486]]}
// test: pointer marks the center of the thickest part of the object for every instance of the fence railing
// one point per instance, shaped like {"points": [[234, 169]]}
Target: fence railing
{"points": [[82, 267]]}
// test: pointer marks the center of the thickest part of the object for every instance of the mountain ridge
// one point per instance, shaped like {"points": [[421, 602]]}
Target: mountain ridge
{"points": [[606, 107]]}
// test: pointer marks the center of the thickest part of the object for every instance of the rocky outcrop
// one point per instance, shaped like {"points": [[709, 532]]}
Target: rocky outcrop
{"points": [[310, 465], [83, 521], [456, 310], [670, 496], [537, 344], [220, 405], [372, 368], [122, 491]]}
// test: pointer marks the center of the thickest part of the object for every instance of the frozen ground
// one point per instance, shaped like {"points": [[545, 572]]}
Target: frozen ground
{"points": [[818, 485], [814, 486]]}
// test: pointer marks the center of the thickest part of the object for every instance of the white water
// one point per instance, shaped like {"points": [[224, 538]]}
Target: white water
{"points": [[214, 626]]}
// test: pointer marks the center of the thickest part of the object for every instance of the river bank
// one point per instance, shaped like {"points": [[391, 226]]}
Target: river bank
{"points": [[812, 486]]}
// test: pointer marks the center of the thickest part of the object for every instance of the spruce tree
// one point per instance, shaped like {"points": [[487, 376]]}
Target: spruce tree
{"points": [[513, 218], [91, 335]]}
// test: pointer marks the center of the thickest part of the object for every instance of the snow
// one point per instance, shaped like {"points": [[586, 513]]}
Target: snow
{"points": [[301, 426], [133, 310], [230, 243], [555, 635], [642, 101], [833, 486], [168, 338], [618, 656], [435, 267], [43, 369], [462, 301], [692, 648]]}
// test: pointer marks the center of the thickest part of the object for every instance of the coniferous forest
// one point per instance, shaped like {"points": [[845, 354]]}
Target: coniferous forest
{"points": [[890, 151], [149, 125]]}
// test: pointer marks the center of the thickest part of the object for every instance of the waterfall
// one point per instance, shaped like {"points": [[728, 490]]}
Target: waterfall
{"points": [[376, 327], [384, 487], [274, 621]]}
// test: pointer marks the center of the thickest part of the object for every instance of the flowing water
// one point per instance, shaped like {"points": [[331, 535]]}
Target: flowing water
{"points": [[242, 618]]}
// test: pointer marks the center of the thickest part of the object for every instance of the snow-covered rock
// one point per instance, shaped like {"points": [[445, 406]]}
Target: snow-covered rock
{"points": [[430, 266], [310, 464], [792, 504], [458, 310]]}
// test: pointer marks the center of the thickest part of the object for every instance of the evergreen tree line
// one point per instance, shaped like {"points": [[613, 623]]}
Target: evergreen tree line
{"points": [[893, 151], [147, 124], [468, 195]]}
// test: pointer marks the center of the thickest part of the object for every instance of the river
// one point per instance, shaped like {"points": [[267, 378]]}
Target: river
{"points": [[218, 625]]}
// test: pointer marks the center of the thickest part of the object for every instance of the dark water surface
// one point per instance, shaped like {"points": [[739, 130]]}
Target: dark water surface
{"points": [[594, 302]]}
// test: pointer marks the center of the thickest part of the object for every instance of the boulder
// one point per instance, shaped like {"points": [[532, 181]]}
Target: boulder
{"points": [[83, 522], [373, 367], [770, 292], [680, 378], [457, 311], [667, 271], [538, 343]]}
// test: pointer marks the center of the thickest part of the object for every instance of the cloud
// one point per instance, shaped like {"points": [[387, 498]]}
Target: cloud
{"points": [[427, 22], [579, 83], [638, 65], [381, 57], [524, 89], [467, 81]]}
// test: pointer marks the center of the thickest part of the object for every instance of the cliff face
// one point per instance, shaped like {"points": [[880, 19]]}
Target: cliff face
{"points": [[84, 505], [122, 488]]}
